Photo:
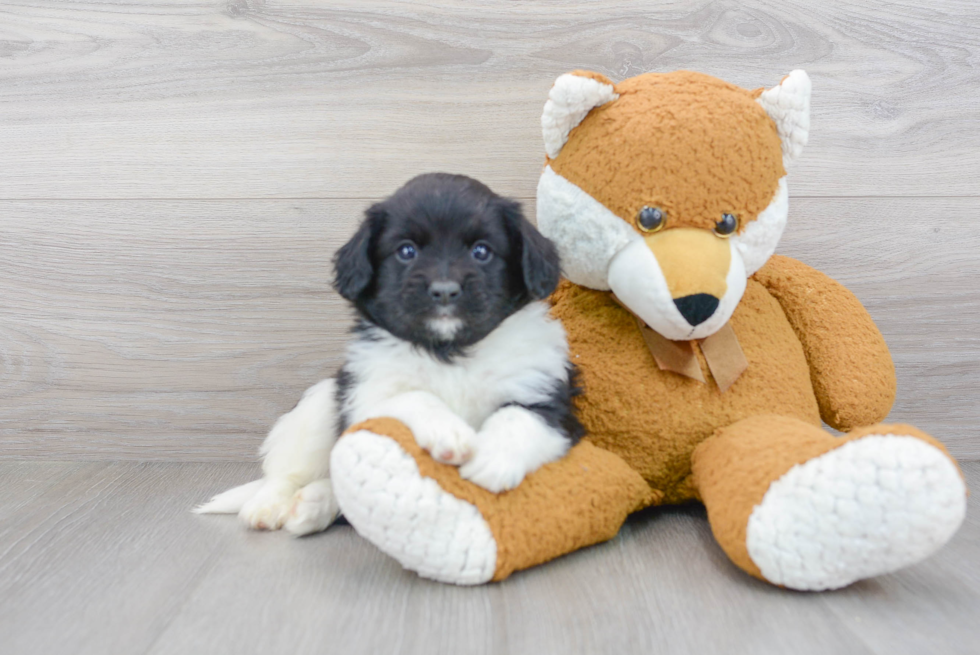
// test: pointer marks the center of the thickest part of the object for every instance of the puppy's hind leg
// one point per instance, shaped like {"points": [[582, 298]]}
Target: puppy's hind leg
{"points": [[295, 491], [313, 509]]}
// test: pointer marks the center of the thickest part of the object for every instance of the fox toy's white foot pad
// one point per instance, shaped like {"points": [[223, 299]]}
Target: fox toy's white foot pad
{"points": [[868, 507], [408, 516]]}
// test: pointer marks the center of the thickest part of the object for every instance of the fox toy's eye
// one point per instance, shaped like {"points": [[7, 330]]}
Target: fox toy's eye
{"points": [[727, 225], [406, 252], [481, 252], [651, 219]]}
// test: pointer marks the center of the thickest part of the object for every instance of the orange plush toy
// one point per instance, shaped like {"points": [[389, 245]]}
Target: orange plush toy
{"points": [[707, 363]]}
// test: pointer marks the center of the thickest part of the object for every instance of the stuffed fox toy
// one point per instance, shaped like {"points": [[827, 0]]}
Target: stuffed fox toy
{"points": [[707, 363]]}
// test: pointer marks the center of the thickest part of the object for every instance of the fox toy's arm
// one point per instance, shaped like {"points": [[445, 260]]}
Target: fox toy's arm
{"points": [[851, 370]]}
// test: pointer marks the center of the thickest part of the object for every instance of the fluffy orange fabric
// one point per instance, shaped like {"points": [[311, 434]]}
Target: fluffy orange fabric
{"points": [[654, 419], [697, 148], [850, 367], [734, 468], [575, 502], [689, 143]]}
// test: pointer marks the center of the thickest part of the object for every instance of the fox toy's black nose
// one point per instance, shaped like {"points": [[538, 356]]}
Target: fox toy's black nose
{"points": [[444, 291], [696, 308]]}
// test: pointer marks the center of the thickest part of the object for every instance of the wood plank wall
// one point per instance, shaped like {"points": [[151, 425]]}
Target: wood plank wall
{"points": [[176, 176]]}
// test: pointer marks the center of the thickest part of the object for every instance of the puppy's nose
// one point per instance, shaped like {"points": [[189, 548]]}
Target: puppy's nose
{"points": [[696, 308], [444, 291]]}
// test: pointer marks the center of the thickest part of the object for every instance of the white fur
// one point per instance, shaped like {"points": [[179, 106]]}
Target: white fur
{"points": [[444, 404], [788, 104], [512, 443], [313, 508], [636, 279], [871, 506], [300, 441], [269, 508], [757, 242], [294, 492], [570, 99], [585, 232], [519, 361], [436, 427], [231, 501], [409, 517], [445, 327]]}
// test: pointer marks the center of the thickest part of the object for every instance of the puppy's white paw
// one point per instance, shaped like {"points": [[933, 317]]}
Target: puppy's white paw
{"points": [[447, 437], [314, 508], [269, 508], [514, 442], [494, 469]]}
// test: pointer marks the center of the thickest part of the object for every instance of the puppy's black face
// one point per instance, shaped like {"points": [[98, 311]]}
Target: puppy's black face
{"points": [[443, 261]]}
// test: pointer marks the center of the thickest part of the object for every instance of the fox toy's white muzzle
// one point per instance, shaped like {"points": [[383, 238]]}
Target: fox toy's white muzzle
{"points": [[637, 279], [680, 289]]}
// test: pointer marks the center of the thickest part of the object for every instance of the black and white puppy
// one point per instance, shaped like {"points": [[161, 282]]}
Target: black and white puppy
{"points": [[453, 338]]}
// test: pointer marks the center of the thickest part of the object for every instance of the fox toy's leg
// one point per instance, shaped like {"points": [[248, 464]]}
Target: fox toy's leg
{"points": [[433, 522], [795, 506]]}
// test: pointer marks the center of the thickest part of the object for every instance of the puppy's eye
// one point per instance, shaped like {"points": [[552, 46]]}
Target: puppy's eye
{"points": [[406, 252], [651, 219], [727, 225], [481, 252]]}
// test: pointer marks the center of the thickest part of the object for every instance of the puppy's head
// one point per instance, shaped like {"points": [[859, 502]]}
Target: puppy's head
{"points": [[443, 261]]}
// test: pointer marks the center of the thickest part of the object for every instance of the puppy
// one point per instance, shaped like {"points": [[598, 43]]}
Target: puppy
{"points": [[452, 338]]}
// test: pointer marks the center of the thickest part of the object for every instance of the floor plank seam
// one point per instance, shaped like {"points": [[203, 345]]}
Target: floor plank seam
{"points": [[199, 577], [59, 524]]}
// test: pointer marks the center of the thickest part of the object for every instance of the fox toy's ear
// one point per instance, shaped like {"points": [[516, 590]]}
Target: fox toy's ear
{"points": [[573, 96], [788, 104]]}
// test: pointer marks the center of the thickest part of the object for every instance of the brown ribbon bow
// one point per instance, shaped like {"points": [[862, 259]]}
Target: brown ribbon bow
{"points": [[721, 350]]}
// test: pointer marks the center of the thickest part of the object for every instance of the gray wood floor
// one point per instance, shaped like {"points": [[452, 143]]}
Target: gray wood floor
{"points": [[106, 558]]}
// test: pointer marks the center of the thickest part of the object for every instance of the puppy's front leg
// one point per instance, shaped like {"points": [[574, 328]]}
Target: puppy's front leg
{"points": [[437, 428], [513, 442]]}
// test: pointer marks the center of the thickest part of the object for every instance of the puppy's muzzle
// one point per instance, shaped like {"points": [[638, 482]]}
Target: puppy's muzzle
{"points": [[444, 292]]}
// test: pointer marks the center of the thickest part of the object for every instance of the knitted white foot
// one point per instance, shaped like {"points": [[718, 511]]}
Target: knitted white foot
{"points": [[407, 516], [871, 506]]}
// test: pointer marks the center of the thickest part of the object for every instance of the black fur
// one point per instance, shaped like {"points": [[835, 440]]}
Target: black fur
{"points": [[539, 259], [345, 380], [559, 411], [353, 265], [444, 216]]}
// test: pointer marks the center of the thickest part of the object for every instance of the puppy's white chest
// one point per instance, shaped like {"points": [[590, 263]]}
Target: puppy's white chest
{"points": [[520, 362], [469, 387]]}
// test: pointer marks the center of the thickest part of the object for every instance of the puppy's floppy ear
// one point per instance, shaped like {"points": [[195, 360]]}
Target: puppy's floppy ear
{"points": [[352, 265], [539, 258]]}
